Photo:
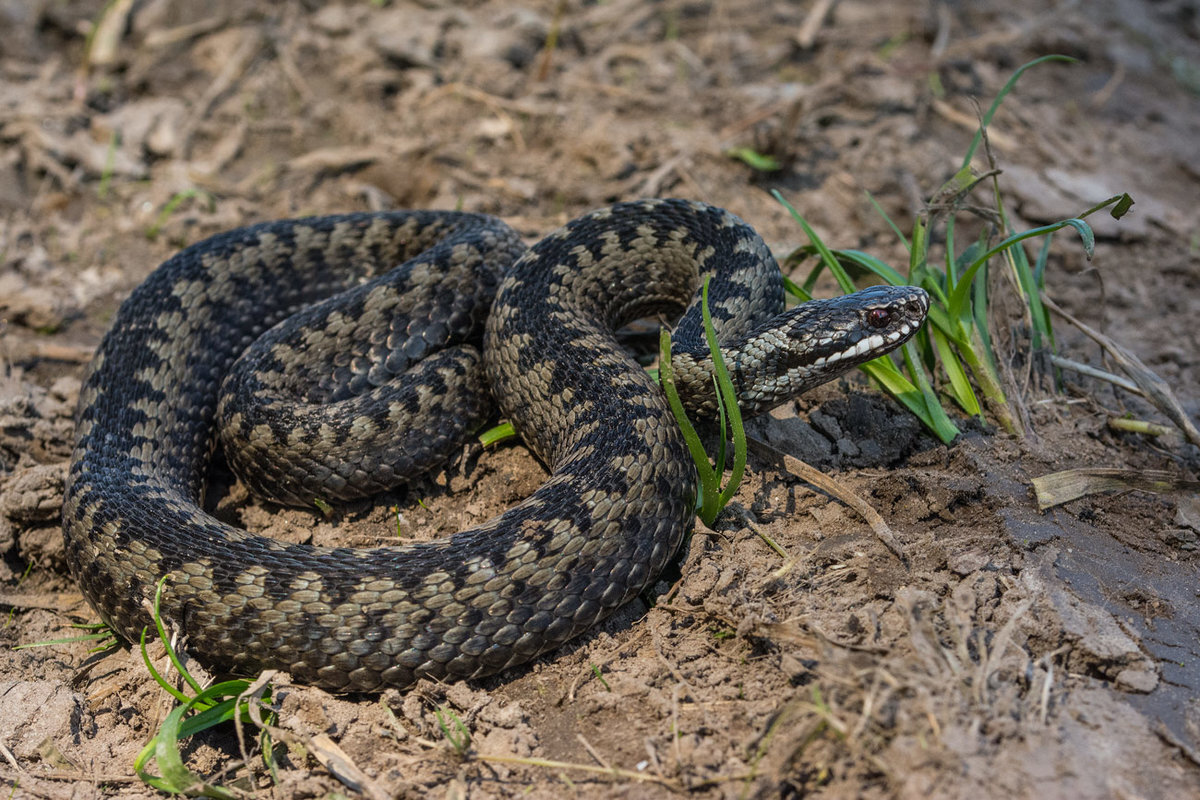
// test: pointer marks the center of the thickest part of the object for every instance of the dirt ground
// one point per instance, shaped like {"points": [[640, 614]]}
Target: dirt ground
{"points": [[1017, 653]]}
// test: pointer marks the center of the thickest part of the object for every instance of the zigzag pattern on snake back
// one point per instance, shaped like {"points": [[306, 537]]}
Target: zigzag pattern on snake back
{"points": [[621, 492]]}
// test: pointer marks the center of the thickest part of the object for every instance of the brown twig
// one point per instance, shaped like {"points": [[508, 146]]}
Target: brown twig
{"points": [[813, 22], [826, 484]]}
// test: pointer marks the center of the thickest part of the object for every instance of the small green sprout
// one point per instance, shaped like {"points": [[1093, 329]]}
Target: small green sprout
{"points": [[712, 497], [222, 702], [453, 729]]}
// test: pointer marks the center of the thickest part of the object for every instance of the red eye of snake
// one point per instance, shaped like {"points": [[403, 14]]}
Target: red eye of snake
{"points": [[879, 317]]}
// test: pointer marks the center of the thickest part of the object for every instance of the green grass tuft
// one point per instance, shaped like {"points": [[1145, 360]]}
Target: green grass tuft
{"points": [[712, 497], [954, 347], [227, 701]]}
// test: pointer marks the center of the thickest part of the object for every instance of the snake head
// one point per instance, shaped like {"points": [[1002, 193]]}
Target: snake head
{"points": [[816, 341], [842, 332]]}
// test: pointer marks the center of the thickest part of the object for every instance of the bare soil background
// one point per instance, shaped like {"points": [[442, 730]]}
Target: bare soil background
{"points": [[1017, 654]]}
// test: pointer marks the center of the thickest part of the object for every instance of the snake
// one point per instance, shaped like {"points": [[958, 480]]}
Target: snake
{"points": [[311, 321]]}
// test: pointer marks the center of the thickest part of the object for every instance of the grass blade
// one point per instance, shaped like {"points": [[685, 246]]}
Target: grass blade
{"points": [[497, 433], [939, 421], [872, 265], [712, 498], [895, 228], [166, 640], [827, 257], [1008, 87], [727, 403], [176, 778], [964, 395], [666, 377], [893, 382], [958, 298]]}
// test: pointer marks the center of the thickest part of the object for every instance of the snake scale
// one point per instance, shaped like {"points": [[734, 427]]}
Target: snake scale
{"points": [[411, 292]]}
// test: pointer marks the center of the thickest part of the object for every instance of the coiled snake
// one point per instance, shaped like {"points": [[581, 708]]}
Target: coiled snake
{"points": [[621, 492]]}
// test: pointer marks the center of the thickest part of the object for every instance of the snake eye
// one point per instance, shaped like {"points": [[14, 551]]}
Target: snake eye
{"points": [[879, 317]]}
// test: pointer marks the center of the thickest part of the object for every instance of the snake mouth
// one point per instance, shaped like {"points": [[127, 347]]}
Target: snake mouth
{"points": [[872, 346]]}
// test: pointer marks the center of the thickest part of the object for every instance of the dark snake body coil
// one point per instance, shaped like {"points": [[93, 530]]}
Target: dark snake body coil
{"points": [[622, 487]]}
